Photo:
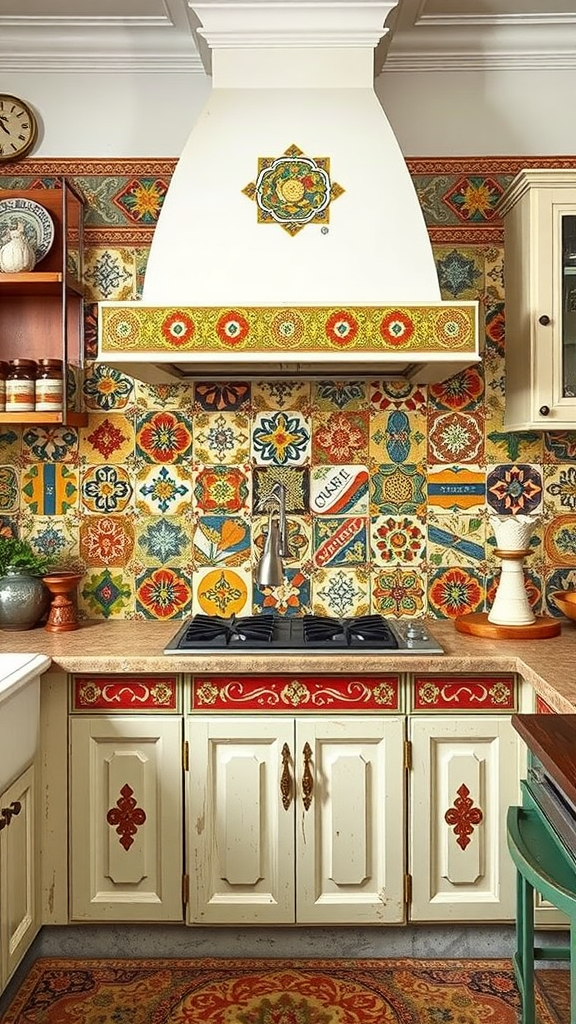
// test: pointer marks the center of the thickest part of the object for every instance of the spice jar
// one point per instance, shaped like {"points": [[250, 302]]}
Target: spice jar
{"points": [[49, 392], [3, 375], [20, 385]]}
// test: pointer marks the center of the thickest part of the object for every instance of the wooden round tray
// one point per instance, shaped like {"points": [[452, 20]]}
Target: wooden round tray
{"points": [[477, 624]]}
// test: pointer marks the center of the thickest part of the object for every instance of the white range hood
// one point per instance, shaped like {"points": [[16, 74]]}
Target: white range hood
{"points": [[291, 239]]}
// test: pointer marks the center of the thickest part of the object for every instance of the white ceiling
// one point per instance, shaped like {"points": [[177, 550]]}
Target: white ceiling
{"points": [[157, 35]]}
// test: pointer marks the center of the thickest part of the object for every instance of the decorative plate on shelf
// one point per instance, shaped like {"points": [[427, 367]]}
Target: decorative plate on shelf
{"points": [[38, 224]]}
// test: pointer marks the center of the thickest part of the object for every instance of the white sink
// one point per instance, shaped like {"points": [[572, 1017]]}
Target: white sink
{"points": [[19, 712]]}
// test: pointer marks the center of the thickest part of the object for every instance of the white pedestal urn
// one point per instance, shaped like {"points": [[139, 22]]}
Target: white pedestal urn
{"points": [[513, 533]]}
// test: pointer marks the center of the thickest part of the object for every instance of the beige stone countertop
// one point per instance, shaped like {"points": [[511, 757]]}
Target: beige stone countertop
{"points": [[136, 646]]}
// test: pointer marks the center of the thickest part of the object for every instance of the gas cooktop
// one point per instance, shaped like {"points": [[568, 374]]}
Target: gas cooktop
{"points": [[369, 634]]}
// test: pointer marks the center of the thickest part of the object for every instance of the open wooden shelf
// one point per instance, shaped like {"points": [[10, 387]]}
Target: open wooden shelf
{"points": [[73, 419]]}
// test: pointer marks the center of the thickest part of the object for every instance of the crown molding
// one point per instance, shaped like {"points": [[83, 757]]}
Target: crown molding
{"points": [[469, 61], [96, 63]]}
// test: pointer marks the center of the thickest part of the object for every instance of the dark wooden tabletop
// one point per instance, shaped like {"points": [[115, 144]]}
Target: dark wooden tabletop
{"points": [[552, 738]]}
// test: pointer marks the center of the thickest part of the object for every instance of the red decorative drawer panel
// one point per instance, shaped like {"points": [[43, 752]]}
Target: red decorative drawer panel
{"points": [[284, 693], [542, 708], [464, 693], [125, 693]]}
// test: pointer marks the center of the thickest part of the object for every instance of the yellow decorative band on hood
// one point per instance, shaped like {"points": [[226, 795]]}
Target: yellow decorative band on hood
{"points": [[441, 327]]}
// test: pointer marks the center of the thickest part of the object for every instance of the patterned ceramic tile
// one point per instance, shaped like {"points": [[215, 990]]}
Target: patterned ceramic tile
{"points": [[106, 489], [399, 592], [560, 540], [10, 444], [455, 437], [456, 538], [165, 490], [55, 537], [106, 540], [397, 436], [341, 592], [162, 396], [494, 272], [49, 489], [214, 396], [222, 437], [9, 489], [140, 199], [397, 540], [105, 593], [163, 593], [162, 540], [291, 598], [222, 591], [280, 439], [398, 394], [335, 394], [276, 395], [462, 392], [514, 488], [296, 481], [560, 446], [164, 436], [109, 274], [559, 579], [398, 490], [336, 490], [108, 438], [221, 540], [455, 591], [474, 197], [341, 541], [460, 272], [221, 490], [560, 487], [340, 438], [107, 389], [50, 444]]}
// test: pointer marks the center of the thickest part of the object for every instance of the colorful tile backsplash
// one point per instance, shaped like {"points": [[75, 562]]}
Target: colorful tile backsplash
{"points": [[389, 484]]}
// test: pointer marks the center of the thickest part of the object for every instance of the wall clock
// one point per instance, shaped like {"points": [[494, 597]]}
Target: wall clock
{"points": [[18, 128]]}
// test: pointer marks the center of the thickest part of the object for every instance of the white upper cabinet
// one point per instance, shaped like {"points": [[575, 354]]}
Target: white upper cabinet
{"points": [[539, 213]]}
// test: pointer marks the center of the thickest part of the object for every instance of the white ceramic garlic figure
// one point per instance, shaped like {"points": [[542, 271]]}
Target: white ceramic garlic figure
{"points": [[16, 254]]}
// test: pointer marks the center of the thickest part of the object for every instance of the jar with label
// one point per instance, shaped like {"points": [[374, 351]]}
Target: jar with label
{"points": [[49, 386], [3, 375], [20, 385]]}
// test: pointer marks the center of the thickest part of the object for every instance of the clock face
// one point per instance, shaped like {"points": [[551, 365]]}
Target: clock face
{"points": [[17, 127]]}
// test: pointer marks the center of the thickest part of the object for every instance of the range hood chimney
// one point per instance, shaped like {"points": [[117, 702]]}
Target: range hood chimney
{"points": [[291, 194]]}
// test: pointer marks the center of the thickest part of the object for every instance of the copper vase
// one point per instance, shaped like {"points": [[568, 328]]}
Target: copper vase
{"points": [[63, 614]]}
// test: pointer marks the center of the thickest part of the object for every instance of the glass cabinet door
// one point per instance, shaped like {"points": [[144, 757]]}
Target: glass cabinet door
{"points": [[569, 306]]}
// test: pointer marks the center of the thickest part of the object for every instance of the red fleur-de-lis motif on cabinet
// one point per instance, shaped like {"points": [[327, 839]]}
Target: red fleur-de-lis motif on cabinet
{"points": [[126, 816], [463, 816]]}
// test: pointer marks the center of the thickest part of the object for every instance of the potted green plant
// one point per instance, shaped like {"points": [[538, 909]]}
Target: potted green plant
{"points": [[24, 598]]}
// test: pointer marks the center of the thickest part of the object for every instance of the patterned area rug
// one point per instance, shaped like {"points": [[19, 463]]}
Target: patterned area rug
{"points": [[223, 991]]}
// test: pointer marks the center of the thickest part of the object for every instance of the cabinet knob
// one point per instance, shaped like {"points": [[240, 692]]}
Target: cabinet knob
{"points": [[544, 320], [544, 410], [7, 812]]}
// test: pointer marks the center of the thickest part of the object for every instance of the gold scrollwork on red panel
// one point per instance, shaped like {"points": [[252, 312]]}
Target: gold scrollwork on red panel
{"points": [[463, 815], [126, 816]]}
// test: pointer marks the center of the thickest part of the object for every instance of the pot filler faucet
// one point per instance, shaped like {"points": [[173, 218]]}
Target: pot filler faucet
{"points": [[270, 568]]}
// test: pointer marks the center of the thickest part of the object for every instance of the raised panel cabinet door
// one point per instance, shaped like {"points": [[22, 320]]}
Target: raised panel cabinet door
{"points": [[465, 776], [240, 808], [126, 829], [350, 820], [19, 873]]}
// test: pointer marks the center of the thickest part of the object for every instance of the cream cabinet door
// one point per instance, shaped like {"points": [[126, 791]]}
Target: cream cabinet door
{"points": [[240, 834], [126, 829], [19, 873], [465, 776], [350, 822]]}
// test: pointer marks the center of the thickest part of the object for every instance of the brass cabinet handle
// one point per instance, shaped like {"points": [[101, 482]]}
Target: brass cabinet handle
{"points": [[307, 781], [286, 778]]}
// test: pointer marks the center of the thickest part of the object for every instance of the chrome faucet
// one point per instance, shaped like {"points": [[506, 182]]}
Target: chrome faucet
{"points": [[270, 568]]}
